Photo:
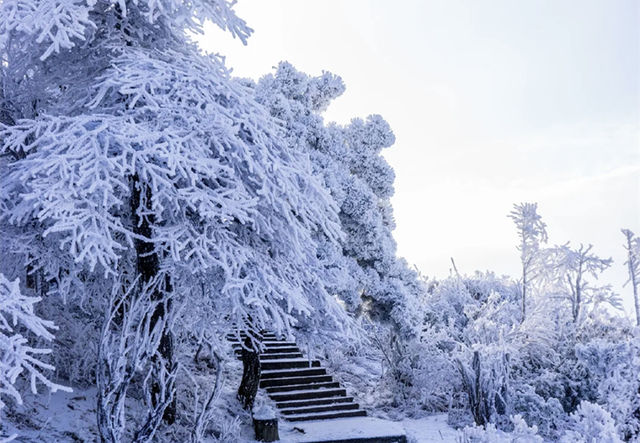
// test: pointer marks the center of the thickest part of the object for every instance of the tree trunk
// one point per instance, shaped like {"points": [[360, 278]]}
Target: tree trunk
{"points": [[266, 429], [148, 266], [576, 313], [250, 375]]}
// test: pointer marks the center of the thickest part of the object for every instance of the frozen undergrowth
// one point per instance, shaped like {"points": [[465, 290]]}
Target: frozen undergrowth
{"points": [[71, 417]]}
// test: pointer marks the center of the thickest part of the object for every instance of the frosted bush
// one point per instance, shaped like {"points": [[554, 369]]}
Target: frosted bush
{"points": [[590, 423], [521, 433]]}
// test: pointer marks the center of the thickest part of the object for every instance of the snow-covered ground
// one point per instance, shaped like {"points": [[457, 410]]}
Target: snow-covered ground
{"points": [[70, 417], [58, 417], [433, 428], [361, 427]]}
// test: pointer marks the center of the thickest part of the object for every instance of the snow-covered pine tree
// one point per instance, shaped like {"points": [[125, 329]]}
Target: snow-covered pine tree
{"points": [[128, 155]]}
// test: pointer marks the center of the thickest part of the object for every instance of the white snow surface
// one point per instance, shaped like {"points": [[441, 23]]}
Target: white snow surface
{"points": [[362, 427], [433, 428], [67, 417]]}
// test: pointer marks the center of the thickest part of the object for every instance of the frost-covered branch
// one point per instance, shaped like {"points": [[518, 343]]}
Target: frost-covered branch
{"points": [[568, 272], [17, 356], [129, 346]]}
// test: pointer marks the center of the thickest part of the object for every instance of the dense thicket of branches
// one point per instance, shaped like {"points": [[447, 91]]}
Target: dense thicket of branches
{"points": [[139, 179]]}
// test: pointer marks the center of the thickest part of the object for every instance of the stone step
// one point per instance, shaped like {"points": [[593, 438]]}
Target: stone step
{"points": [[279, 344], [281, 356], [234, 337], [289, 363], [303, 387], [308, 394], [294, 381], [326, 415], [324, 408], [280, 349], [313, 402], [285, 373], [276, 350], [271, 345]]}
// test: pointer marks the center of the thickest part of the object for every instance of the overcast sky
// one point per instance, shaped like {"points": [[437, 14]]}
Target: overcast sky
{"points": [[492, 103]]}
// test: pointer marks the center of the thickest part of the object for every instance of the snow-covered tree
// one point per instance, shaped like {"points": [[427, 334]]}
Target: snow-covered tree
{"points": [[532, 232], [569, 270], [369, 277], [632, 246], [19, 325], [127, 154]]}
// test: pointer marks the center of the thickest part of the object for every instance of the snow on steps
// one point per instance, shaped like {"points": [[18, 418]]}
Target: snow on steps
{"points": [[283, 373], [307, 396], [314, 402], [325, 415], [272, 382], [343, 430], [297, 387], [301, 388]]}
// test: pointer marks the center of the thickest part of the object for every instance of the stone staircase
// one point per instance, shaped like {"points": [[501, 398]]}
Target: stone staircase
{"points": [[301, 389]]}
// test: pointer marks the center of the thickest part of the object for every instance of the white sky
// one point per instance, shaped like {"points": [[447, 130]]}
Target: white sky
{"points": [[492, 103]]}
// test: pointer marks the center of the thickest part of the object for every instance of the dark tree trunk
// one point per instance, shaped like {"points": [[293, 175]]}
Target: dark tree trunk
{"points": [[250, 375], [148, 266]]}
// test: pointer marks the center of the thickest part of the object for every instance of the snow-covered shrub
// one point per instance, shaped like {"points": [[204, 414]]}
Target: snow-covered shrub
{"points": [[520, 433], [481, 434], [545, 413], [20, 327], [591, 423], [611, 357]]}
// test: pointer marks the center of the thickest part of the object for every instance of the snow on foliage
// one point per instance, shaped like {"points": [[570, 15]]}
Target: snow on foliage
{"points": [[126, 155], [225, 193], [485, 363], [368, 276], [569, 270], [18, 356], [590, 423], [166, 202]]}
